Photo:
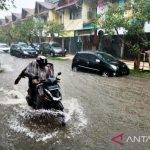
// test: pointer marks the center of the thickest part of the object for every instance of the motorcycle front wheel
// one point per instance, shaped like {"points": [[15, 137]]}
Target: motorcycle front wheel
{"points": [[59, 106]]}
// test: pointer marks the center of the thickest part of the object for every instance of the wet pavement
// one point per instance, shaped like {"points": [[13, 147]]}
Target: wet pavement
{"points": [[96, 109]]}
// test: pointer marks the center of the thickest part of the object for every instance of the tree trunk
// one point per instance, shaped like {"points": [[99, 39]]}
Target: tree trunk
{"points": [[137, 62]]}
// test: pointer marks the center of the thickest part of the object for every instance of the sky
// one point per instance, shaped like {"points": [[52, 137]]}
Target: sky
{"points": [[19, 5]]}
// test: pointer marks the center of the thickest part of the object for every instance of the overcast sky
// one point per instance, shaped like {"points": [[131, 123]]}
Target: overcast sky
{"points": [[19, 5]]}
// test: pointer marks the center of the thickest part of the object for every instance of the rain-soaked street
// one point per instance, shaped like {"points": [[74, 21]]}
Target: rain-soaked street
{"points": [[96, 109]]}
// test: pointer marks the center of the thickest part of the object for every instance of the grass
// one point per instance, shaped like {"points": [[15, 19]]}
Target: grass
{"points": [[140, 73], [58, 58]]}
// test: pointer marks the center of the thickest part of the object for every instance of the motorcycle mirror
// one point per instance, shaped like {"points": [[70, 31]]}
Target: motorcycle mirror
{"points": [[59, 73]]}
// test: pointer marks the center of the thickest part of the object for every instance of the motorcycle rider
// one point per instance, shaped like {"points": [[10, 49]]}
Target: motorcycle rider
{"points": [[36, 71]]}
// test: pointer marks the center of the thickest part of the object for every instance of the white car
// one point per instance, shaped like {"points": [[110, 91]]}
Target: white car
{"points": [[4, 48]]}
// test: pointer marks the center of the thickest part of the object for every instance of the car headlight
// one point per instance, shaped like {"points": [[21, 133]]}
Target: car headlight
{"points": [[25, 52], [114, 67]]}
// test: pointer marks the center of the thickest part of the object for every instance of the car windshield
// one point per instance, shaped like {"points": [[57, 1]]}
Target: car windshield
{"points": [[27, 47], [106, 57], [34, 44], [55, 45], [23, 45], [4, 46]]}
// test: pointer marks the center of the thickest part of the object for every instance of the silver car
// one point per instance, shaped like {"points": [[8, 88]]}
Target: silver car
{"points": [[4, 48], [52, 48]]}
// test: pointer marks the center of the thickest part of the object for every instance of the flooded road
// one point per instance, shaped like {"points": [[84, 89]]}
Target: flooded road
{"points": [[96, 109]]}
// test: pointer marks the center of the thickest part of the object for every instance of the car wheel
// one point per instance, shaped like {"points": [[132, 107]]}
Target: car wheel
{"points": [[105, 74], [75, 68]]}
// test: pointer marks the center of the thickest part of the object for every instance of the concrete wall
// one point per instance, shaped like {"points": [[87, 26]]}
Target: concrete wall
{"points": [[53, 16]]}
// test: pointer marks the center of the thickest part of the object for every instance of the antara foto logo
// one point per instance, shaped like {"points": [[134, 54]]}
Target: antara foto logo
{"points": [[118, 139], [130, 139]]}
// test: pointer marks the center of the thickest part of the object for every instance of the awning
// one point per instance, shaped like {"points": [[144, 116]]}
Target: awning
{"points": [[69, 4], [88, 27]]}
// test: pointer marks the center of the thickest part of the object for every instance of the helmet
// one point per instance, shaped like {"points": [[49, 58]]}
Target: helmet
{"points": [[42, 61]]}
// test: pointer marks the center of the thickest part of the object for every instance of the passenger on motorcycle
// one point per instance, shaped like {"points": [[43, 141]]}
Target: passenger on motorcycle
{"points": [[36, 71]]}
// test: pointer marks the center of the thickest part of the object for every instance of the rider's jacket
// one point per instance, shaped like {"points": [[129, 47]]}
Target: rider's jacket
{"points": [[33, 69]]}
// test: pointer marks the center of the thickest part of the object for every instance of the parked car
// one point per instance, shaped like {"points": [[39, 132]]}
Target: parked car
{"points": [[36, 46], [52, 48], [23, 50], [102, 62], [4, 48]]}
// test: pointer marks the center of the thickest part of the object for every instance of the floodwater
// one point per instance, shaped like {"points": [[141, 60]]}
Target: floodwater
{"points": [[96, 109]]}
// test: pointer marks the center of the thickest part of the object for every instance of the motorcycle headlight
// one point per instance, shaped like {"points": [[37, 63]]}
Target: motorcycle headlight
{"points": [[25, 52], [114, 67]]}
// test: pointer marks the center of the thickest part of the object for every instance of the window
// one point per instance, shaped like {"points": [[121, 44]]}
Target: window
{"points": [[91, 13], [75, 14], [61, 19], [83, 57], [46, 46], [92, 58], [13, 46]]}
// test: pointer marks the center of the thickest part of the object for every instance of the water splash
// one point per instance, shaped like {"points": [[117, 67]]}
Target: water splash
{"points": [[7, 68], [11, 97], [42, 125]]}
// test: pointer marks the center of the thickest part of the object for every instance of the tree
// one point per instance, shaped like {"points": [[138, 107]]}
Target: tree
{"points": [[38, 28], [7, 34], [30, 29], [133, 24], [25, 30], [52, 28], [5, 4]]}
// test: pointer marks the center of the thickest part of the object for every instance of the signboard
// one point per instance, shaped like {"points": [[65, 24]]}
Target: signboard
{"points": [[84, 32], [66, 34]]}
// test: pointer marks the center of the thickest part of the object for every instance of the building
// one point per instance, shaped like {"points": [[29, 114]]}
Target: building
{"points": [[76, 16], [45, 11], [26, 12], [2, 22]]}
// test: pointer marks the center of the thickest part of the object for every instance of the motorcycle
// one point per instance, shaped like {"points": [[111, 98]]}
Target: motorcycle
{"points": [[52, 94], [51, 97]]}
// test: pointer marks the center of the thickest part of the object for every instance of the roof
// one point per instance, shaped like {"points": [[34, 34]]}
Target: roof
{"points": [[9, 18], [2, 21], [18, 16], [48, 5], [66, 5], [51, 1], [30, 11], [26, 12]]}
